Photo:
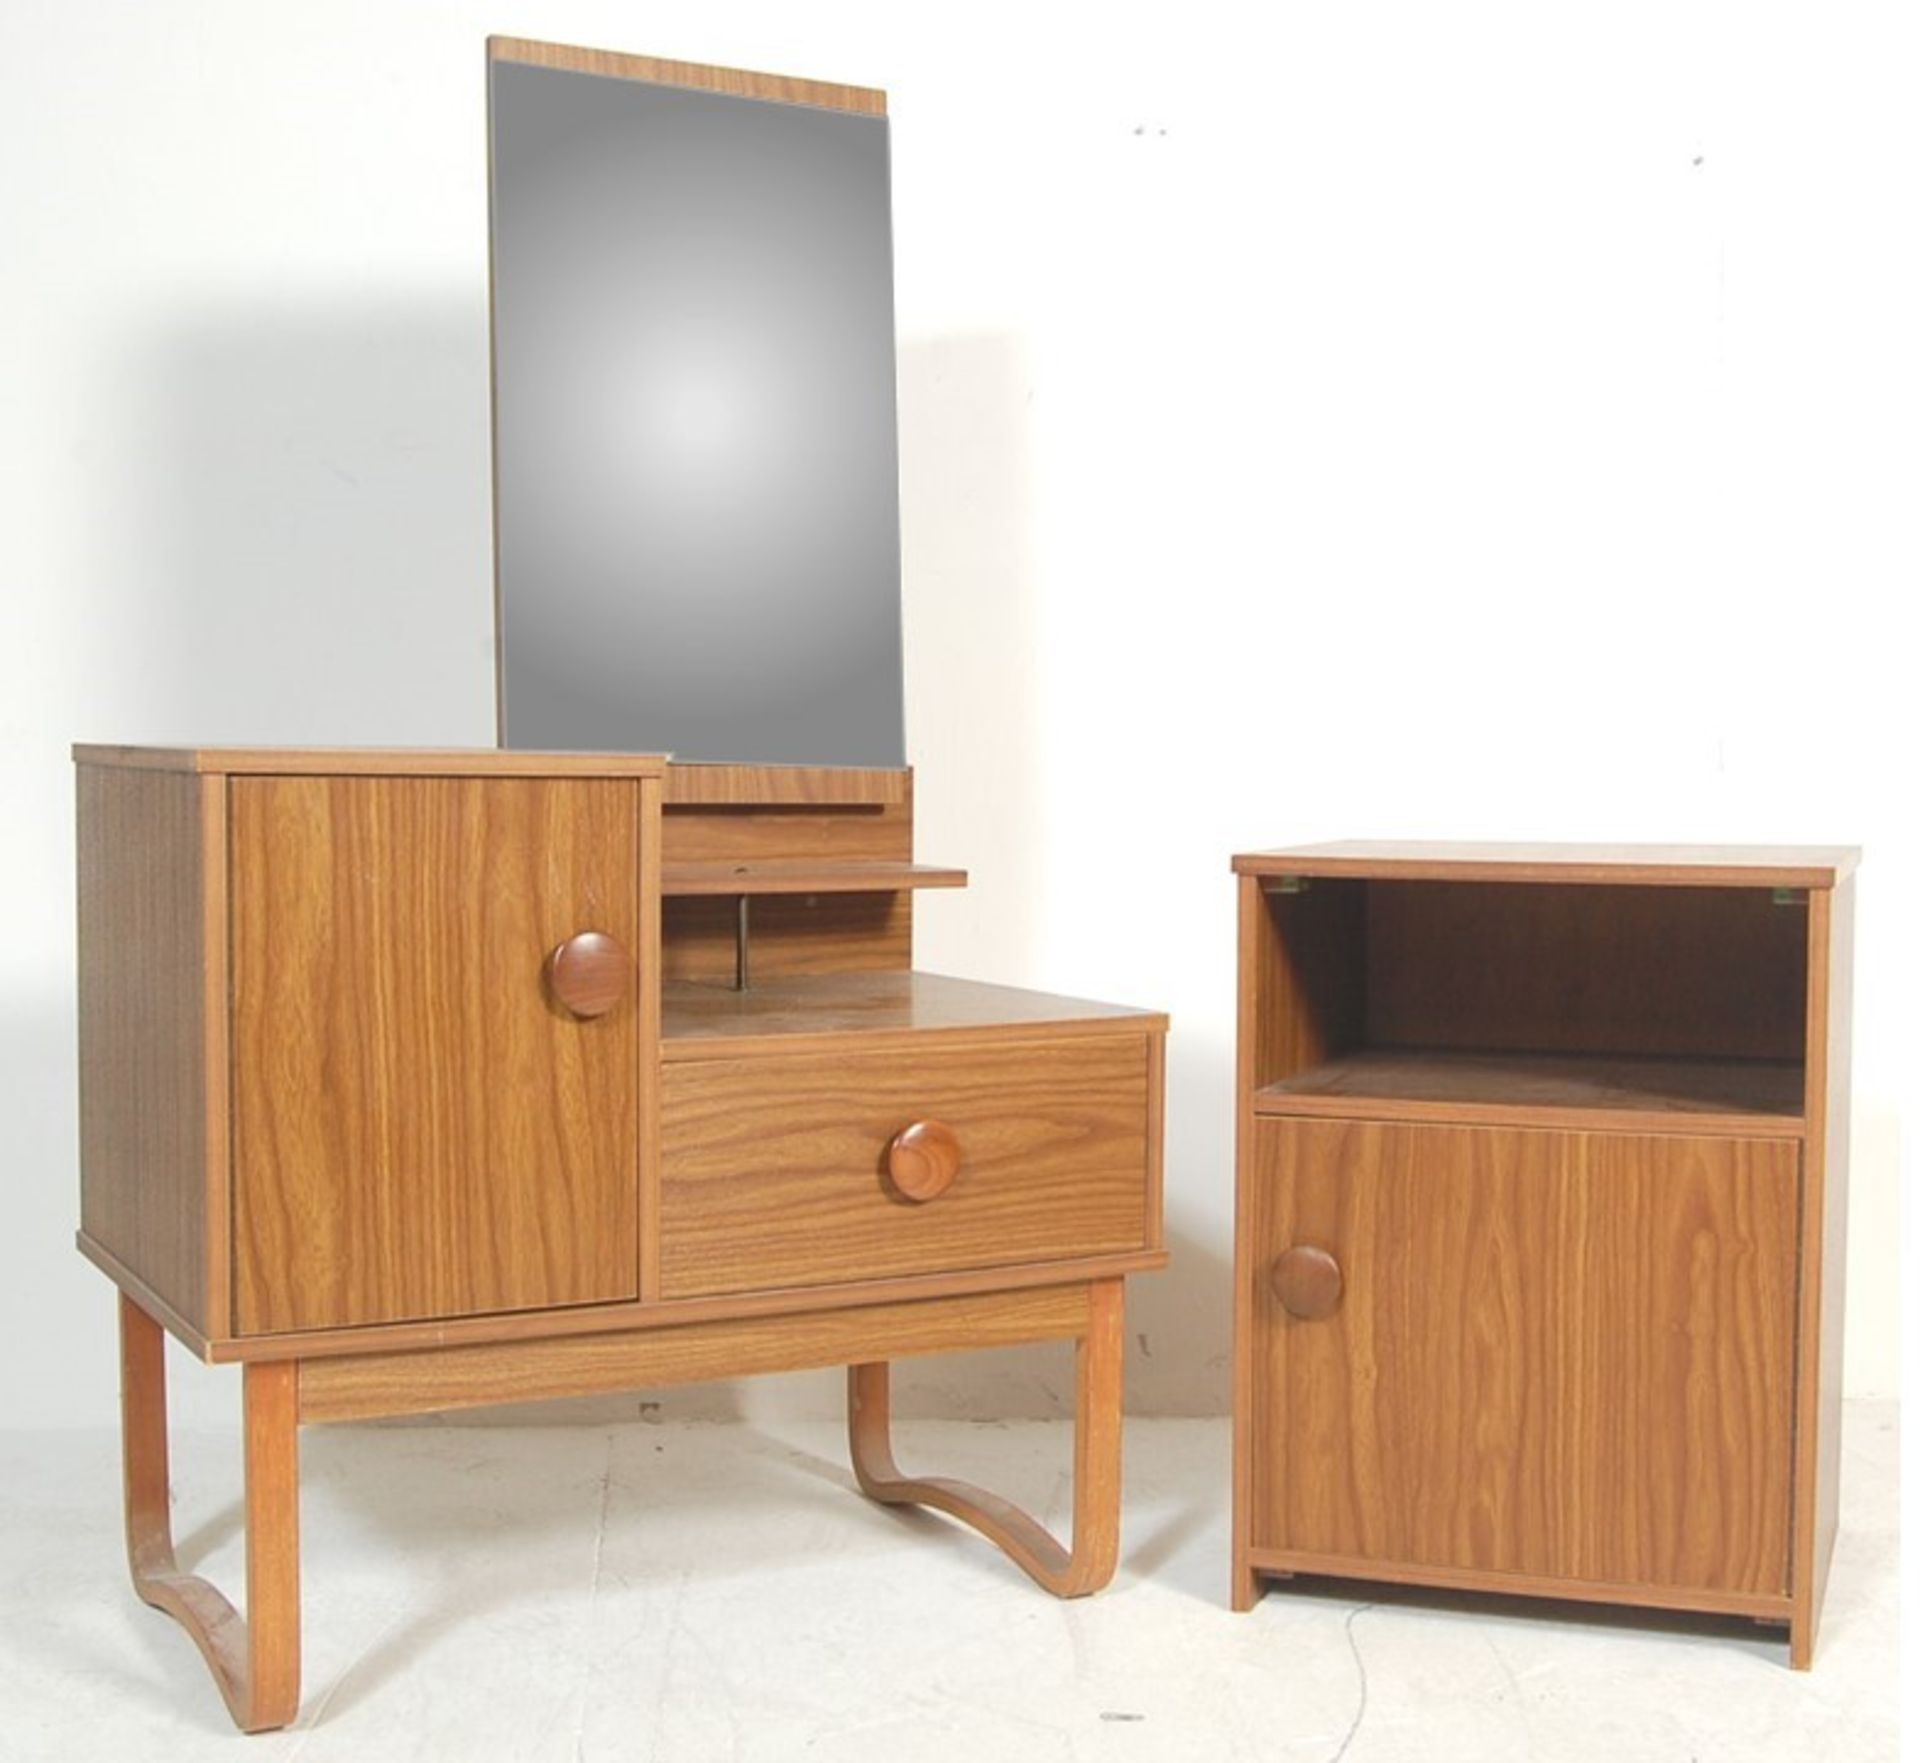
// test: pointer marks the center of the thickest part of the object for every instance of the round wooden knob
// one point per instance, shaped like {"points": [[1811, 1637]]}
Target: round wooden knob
{"points": [[1307, 1281], [588, 973], [923, 1160]]}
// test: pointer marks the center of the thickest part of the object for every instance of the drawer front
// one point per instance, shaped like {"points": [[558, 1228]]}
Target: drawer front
{"points": [[775, 1168], [1552, 1354]]}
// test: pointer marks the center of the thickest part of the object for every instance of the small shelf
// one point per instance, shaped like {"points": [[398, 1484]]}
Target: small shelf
{"points": [[1754, 1097], [802, 876]]}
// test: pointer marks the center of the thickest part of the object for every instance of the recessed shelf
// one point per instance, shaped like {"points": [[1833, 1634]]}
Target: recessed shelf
{"points": [[1753, 1097], [803, 876]]}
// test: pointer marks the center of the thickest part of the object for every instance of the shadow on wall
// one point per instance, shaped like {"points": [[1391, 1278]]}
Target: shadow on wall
{"points": [[289, 542], [49, 1296], [304, 549], [295, 546], [1178, 1328], [970, 613]]}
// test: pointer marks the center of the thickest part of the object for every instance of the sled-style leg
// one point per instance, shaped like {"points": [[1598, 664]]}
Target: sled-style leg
{"points": [[1096, 1463], [256, 1659]]}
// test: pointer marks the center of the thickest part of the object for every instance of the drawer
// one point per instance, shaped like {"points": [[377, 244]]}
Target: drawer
{"points": [[774, 1169], [1557, 1355]]}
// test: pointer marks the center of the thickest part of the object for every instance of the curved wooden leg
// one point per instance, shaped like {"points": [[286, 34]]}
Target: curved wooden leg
{"points": [[1096, 1463], [255, 1660]]}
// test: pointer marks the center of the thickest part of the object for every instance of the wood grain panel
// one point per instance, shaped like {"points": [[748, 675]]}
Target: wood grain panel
{"points": [[1714, 972], [1761, 1606], [773, 1167], [734, 834], [698, 783], [1675, 866], [734, 81], [788, 814], [1744, 1096], [646, 860], [1308, 951], [580, 1319], [132, 1286], [1823, 1251], [419, 1130], [817, 1014], [372, 761], [1253, 1066], [152, 1052], [1156, 1139], [357, 1388], [792, 935], [1563, 1355], [812, 876]]}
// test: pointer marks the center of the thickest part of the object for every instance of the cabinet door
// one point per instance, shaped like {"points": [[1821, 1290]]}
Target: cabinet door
{"points": [[1555, 1355], [419, 1129]]}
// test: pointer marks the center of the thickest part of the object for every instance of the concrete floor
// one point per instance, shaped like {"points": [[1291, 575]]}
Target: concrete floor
{"points": [[687, 1591]]}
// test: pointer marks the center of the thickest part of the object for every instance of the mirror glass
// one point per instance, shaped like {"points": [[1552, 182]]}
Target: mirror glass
{"points": [[696, 479]]}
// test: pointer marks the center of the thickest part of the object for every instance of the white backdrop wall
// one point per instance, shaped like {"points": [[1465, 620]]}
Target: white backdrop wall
{"points": [[1370, 420]]}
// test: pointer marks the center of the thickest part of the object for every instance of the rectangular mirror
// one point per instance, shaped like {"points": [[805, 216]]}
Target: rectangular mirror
{"points": [[696, 494]]}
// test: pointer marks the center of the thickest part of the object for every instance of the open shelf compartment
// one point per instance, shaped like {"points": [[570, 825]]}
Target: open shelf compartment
{"points": [[1625, 1006]]}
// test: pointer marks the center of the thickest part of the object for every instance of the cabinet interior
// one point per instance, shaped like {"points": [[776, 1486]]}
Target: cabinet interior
{"points": [[1627, 1001]]}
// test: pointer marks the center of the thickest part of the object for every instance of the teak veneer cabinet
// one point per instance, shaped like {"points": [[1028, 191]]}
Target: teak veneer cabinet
{"points": [[418, 1081], [1541, 1218]]}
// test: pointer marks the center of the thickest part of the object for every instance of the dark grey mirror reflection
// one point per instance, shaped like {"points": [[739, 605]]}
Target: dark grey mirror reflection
{"points": [[696, 478]]}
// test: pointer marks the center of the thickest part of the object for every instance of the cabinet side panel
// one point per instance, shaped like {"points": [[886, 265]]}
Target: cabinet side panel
{"points": [[1255, 946], [1302, 973], [1823, 1252], [144, 1028], [647, 857]]}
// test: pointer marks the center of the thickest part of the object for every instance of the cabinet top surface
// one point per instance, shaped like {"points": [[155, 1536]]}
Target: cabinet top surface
{"points": [[702, 1021], [374, 761], [1778, 866]]}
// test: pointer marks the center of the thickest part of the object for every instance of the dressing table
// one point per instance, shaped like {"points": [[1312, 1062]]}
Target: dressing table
{"points": [[417, 1081], [421, 1081]]}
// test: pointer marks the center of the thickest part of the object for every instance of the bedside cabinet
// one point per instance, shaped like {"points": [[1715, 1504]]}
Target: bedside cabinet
{"points": [[1540, 1221], [423, 1081]]}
